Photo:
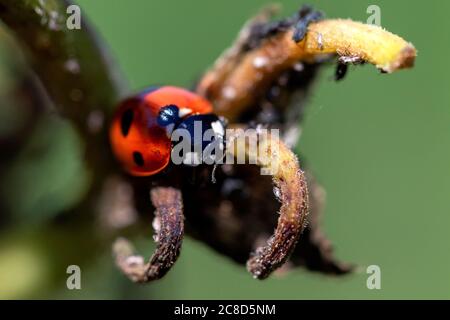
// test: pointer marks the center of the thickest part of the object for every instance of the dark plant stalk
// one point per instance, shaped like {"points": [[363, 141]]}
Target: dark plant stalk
{"points": [[74, 68], [169, 231]]}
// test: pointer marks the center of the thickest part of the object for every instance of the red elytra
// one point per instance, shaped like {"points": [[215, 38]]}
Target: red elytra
{"points": [[138, 142]]}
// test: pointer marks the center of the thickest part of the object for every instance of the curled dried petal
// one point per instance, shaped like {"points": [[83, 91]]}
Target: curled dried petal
{"points": [[292, 191], [370, 43], [253, 71], [170, 229]]}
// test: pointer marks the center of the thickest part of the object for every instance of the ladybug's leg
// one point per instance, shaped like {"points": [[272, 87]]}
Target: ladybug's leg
{"points": [[169, 226]]}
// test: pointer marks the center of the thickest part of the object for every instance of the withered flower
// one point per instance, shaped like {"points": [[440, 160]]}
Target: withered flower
{"points": [[262, 81]]}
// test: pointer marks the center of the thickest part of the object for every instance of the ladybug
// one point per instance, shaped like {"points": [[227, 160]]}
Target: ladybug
{"points": [[143, 127]]}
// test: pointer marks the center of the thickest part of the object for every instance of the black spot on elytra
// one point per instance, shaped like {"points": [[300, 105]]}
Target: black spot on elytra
{"points": [[138, 159], [125, 123]]}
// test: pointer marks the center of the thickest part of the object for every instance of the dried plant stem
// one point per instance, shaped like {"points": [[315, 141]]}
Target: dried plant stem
{"points": [[290, 188], [250, 72], [75, 69], [387, 51], [169, 226]]}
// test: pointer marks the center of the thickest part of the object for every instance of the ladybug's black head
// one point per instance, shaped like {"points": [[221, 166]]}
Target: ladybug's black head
{"points": [[169, 115]]}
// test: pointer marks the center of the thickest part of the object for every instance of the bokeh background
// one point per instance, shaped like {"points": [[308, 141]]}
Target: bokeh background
{"points": [[379, 144]]}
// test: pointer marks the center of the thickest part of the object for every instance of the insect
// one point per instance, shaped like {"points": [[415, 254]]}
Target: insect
{"points": [[305, 17], [144, 125], [342, 66], [299, 22], [341, 71], [251, 97]]}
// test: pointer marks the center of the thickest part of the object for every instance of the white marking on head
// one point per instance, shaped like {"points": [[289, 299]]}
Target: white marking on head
{"points": [[218, 128], [184, 112]]}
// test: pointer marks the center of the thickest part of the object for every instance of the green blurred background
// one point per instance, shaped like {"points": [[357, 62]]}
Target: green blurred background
{"points": [[379, 144]]}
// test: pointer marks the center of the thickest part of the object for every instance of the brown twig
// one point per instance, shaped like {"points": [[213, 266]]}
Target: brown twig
{"points": [[240, 77], [291, 190], [169, 226], [75, 69], [79, 80]]}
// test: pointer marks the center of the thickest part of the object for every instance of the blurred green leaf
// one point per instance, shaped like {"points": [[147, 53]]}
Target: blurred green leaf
{"points": [[49, 176]]}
